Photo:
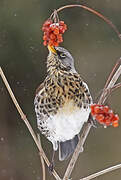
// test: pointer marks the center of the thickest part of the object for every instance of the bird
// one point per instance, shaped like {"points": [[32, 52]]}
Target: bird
{"points": [[62, 102]]}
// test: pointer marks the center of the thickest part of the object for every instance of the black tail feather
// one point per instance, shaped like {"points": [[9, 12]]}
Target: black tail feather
{"points": [[67, 148]]}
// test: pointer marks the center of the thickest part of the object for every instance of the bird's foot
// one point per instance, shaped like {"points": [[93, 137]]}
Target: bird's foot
{"points": [[92, 121], [81, 149], [51, 167]]}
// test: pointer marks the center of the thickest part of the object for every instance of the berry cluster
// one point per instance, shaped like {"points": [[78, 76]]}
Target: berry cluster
{"points": [[53, 32], [104, 115]]}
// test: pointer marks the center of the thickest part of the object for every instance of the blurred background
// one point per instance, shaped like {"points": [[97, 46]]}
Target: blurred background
{"points": [[95, 47]]}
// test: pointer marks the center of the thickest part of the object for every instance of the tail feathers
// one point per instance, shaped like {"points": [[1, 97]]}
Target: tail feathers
{"points": [[67, 148]]}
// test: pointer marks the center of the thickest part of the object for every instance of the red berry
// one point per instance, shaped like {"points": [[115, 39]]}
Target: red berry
{"points": [[51, 42], [97, 109], [59, 36], [52, 36], [61, 22], [47, 34], [65, 26], [92, 106], [116, 117], [92, 109], [61, 29], [99, 117], [47, 22], [56, 44], [52, 27], [45, 37], [45, 43], [93, 113], [43, 28], [115, 124], [104, 115], [53, 32], [60, 40], [106, 109], [107, 121], [56, 31], [111, 115]]}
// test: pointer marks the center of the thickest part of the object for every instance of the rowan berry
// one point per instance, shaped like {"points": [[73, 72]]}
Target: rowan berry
{"points": [[99, 117], [104, 115], [115, 124], [56, 31], [106, 109], [52, 36], [97, 109], [53, 32], [61, 23], [45, 38], [45, 43]]}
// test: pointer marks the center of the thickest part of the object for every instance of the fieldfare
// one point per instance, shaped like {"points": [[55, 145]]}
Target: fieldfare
{"points": [[62, 102]]}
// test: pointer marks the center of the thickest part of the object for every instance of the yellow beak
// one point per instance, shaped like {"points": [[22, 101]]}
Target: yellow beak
{"points": [[52, 49]]}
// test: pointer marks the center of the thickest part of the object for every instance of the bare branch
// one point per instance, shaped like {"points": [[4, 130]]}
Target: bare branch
{"points": [[109, 91], [102, 172], [110, 85], [27, 123], [114, 78], [112, 72], [94, 12], [42, 160], [116, 86]]}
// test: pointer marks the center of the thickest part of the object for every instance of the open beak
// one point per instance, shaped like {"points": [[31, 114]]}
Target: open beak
{"points": [[52, 49]]}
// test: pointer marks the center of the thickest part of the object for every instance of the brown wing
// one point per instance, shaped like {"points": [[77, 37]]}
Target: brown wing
{"points": [[41, 114]]}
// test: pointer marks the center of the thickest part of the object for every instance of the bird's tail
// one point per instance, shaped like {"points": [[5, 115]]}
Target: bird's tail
{"points": [[66, 148]]}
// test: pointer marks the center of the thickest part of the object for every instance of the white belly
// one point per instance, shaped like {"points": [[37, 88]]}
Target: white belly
{"points": [[68, 121]]}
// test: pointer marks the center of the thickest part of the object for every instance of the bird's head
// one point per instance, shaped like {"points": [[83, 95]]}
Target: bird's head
{"points": [[60, 59]]}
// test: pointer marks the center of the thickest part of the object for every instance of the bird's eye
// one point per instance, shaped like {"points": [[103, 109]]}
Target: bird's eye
{"points": [[62, 55]]}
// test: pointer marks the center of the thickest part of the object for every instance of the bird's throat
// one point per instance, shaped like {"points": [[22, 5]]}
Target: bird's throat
{"points": [[52, 64]]}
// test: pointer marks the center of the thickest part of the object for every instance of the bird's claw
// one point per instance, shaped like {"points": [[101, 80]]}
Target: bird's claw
{"points": [[51, 167], [92, 121]]}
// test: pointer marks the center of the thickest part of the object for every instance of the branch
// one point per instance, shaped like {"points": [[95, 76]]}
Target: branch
{"points": [[102, 172], [112, 72], [41, 158], [109, 84], [94, 12], [111, 81], [116, 86], [24, 118]]}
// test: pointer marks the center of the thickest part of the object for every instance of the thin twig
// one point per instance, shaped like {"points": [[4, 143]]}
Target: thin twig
{"points": [[42, 160], [109, 91], [112, 72], [116, 86], [110, 85], [105, 89], [88, 126], [27, 123], [102, 172], [94, 12], [114, 78]]}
